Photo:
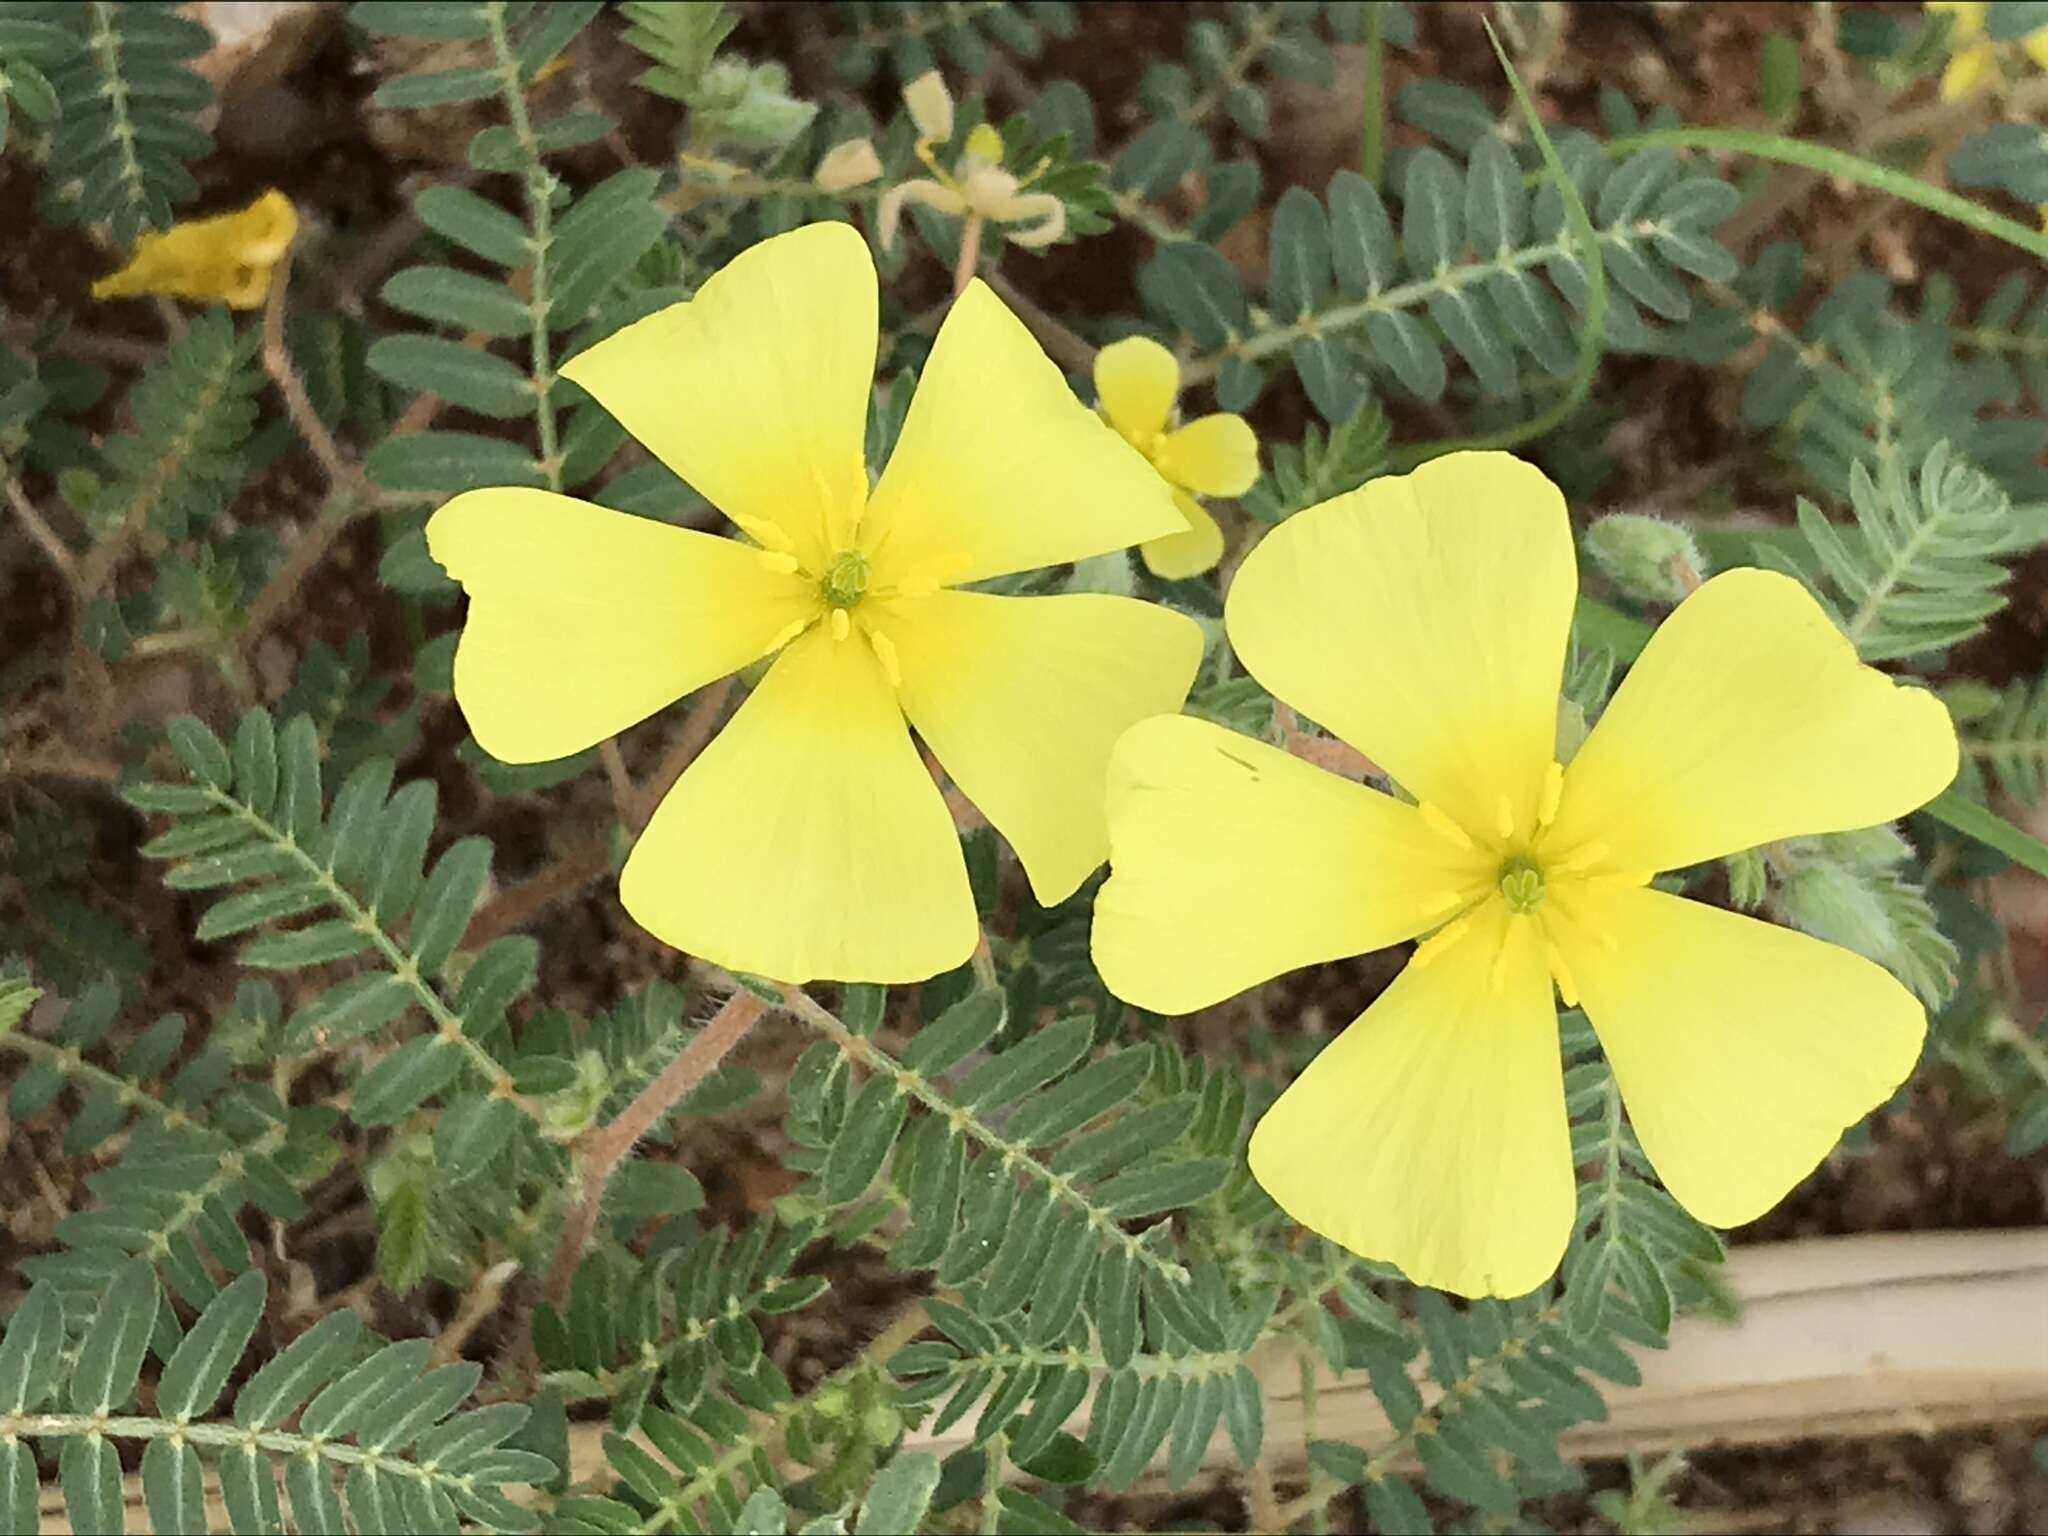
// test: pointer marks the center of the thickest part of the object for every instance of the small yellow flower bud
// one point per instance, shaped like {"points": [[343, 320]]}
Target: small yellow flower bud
{"points": [[985, 143], [848, 165], [930, 105]]}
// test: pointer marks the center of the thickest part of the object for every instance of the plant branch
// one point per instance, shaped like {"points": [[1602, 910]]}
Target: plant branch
{"points": [[45, 536], [600, 1150]]}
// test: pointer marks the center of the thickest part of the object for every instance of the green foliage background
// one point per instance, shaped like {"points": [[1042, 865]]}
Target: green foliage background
{"points": [[342, 1023]]}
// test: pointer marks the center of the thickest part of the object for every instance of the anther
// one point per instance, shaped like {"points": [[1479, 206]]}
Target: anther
{"points": [[1440, 941], [1504, 816], [766, 534], [1435, 818], [781, 562], [842, 626], [885, 653], [1567, 988], [787, 633], [1553, 791]]}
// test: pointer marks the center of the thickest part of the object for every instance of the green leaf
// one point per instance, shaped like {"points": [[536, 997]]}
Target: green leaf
{"points": [[201, 751], [20, 1490], [956, 1034], [90, 1471], [1432, 212], [196, 1373], [466, 376], [459, 299], [1074, 1101], [1244, 1415], [348, 1010], [470, 1133], [410, 1075], [1125, 1141], [255, 756], [1033, 1061], [870, 1129], [447, 902], [1335, 387], [1362, 245], [1299, 256], [434, 21], [1496, 208], [28, 1355], [764, 1514], [350, 1404], [404, 1234], [1399, 340], [901, 1494], [443, 88], [174, 1487], [480, 227], [253, 909], [110, 1359], [1198, 289], [435, 462], [1396, 1509], [336, 939], [285, 1381]]}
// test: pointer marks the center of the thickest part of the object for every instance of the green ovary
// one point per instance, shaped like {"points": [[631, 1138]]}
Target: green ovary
{"points": [[1521, 885], [846, 579]]}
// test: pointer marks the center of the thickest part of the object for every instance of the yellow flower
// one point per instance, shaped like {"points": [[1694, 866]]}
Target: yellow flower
{"points": [[977, 187], [1976, 60], [809, 840], [1136, 381], [1423, 619], [227, 258]]}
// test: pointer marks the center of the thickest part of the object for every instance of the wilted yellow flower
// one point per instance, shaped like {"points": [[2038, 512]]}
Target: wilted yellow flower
{"points": [[1136, 381], [809, 840], [977, 187], [846, 166], [1976, 59], [227, 258], [1424, 618]]}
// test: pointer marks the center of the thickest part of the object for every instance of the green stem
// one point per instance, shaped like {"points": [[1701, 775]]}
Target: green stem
{"points": [[1836, 162], [1373, 152]]}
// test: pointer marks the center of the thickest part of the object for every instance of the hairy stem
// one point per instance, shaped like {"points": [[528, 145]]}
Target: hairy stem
{"points": [[600, 1150]]}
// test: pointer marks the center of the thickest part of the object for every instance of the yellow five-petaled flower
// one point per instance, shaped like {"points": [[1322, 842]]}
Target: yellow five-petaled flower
{"points": [[1976, 59], [1136, 380], [1424, 619], [809, 840]]}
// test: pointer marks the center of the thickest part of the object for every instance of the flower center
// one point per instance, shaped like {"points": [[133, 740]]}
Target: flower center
{"points": [[1521, 884], [846, 579]]}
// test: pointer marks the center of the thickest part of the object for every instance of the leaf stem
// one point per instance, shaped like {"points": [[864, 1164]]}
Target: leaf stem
{"points": [[1373, 150]]}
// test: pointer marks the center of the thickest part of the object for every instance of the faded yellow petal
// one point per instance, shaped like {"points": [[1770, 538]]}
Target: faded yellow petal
{"points": [[1742, 1050], [1213, 456], [1431, 1134], [1021, 698], [756, 391], [1423, 619], [808, 842], [226, 259], [1969, 71], [1747, 719], [999, 468], [1136, 380], [1197, 548], [583, 620], [1232, 862]]}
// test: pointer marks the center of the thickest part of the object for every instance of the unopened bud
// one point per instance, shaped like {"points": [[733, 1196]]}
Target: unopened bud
{"points": [[931, 106], [1652, 561], [846, 166], [1832, 902]]}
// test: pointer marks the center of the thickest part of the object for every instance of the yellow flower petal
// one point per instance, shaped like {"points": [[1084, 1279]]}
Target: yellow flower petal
{"points": [[1742, 1050], [226, 259], [756, 391], [1021, 698], [1746, 719], [1000, 465], [1423, 619], [809, 842], [1195, 549], [1969, 71], [583, 621], [1213, 456], [1969, 17], [1136, 380], [1431, 1134], [1232, 862], [2035, 44]]}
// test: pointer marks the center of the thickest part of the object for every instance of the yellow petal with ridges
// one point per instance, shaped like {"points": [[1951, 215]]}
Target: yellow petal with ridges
{"points": [[583, 620], [1747, 719], [1136, 380], [1232, 862], [756, 391], [1021, 698], [1742, 1050], [1423, 619], [1212, 456], [1431, 1134], [227, 258], [1197, 548], [1000, 465], [809, 842]]}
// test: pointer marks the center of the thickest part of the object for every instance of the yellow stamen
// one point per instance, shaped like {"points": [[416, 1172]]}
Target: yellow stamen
{"points": [[1504, 817], [1553, 791], [1567, 988], [764, 533], [787, 633], [781, 562], [1583, 858], [1439, 902], [885, 653], [842, 626], [1440, 941], [927, 576], [1435, 818]]}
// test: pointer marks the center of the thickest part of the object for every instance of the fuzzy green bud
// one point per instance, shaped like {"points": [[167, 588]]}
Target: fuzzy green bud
{"points": [[1650, 560], [568, 1112], [1835, 903]]}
